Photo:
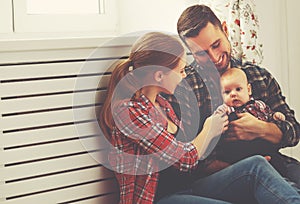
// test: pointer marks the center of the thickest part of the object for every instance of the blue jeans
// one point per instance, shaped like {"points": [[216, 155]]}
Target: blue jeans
{"points": [[252, 180]]}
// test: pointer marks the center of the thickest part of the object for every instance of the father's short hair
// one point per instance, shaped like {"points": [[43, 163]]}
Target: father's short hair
{"points": [[194, 19]]}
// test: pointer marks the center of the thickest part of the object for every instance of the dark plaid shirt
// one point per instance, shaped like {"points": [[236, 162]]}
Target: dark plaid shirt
{"points": [[203, 84]]}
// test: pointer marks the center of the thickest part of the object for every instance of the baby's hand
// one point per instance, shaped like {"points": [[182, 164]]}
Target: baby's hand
{"points": [[279, 116], [222, 109]]}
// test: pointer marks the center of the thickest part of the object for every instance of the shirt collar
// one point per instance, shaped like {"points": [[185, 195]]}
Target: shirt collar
{"points": [[160, 99]]}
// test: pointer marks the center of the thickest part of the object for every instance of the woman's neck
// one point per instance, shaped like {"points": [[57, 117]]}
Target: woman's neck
{"points": [[151, 93]]}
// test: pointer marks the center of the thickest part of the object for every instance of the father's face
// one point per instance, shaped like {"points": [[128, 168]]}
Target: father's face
{"points": [[211, 45]]}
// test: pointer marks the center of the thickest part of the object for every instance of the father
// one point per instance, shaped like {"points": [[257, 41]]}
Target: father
{"points": [[207, 39]]}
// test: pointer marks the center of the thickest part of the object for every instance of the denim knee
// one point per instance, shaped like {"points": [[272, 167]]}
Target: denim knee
{"points": [[257, 159], [257, 162]]}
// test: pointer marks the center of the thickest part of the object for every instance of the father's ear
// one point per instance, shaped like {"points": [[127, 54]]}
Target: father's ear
{"points": [[225, 28], [249, 89]]}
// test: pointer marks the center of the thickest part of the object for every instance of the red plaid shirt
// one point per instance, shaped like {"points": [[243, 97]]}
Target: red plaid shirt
{"points": [[142, 143]]}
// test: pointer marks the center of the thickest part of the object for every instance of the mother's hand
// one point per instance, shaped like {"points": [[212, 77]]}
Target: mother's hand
{"points": [[217, 123]]}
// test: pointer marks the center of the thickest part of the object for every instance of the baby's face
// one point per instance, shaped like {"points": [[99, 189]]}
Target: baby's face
{"points": [[235, 91]]}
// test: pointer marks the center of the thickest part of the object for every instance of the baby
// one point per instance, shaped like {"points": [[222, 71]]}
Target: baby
{"points": [[236, 92]]}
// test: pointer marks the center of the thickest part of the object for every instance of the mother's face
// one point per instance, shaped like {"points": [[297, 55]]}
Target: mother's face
{"points": [[172, 78]]}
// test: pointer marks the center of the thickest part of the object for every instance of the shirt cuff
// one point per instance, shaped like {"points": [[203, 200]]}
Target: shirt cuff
{"points": [[287, 133]]}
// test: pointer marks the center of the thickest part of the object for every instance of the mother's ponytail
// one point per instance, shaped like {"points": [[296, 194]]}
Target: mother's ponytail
{"points": [[106, 118]]}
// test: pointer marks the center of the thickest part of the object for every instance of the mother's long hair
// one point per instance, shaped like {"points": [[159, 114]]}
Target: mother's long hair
{"points": [[153, 49]]}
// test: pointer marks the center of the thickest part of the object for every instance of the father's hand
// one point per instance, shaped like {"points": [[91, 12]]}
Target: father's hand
{"points": [[246, 127]]}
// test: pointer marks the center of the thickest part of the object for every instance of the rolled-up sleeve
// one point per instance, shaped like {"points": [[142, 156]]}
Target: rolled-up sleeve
{"points": [[290, 127]]}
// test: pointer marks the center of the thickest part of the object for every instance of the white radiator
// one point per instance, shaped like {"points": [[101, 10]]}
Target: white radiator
{"points": [[43, 155]]}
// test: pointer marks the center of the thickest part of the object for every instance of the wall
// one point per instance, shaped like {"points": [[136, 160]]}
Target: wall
{"points": [[136, 15], [293, 33], [274, 39], [281, 42]]}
